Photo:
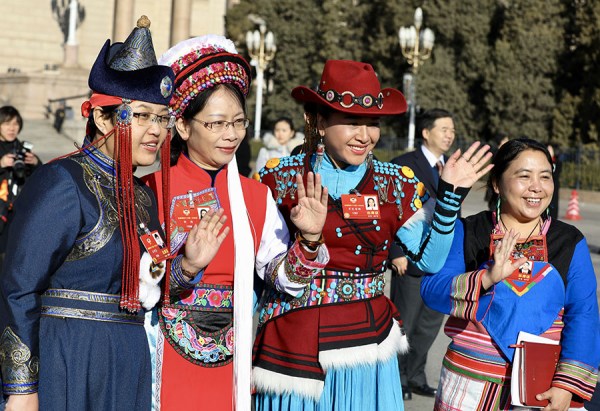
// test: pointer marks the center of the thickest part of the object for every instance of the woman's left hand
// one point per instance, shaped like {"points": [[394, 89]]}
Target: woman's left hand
{"points": [[464, 170], [204, 240], [559, 399], [310, 212]]}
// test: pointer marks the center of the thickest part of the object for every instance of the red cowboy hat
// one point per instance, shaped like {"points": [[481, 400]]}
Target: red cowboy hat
{"points": [[352, 87]]}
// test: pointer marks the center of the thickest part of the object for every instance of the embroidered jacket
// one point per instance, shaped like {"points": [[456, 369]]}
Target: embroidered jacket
{"points": [[65, 235], [342, 319]]}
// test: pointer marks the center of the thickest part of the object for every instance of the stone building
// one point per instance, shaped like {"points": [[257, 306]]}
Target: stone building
{"points": [[40, 66]]}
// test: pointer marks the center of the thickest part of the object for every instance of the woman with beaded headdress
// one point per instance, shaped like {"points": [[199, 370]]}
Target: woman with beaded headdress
{"points": [[335, 344], [205, 339], [77, 276]]}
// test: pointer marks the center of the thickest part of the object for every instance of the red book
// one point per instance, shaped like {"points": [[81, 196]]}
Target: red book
{"points": [[538, 365]]}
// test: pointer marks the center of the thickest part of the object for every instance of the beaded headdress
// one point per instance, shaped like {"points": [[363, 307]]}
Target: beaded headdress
{"points": [[201, 63]]}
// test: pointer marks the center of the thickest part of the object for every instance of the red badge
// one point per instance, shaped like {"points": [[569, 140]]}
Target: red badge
{"points": [[534, 248], [187, 210], [154, 244], [360, 207]]}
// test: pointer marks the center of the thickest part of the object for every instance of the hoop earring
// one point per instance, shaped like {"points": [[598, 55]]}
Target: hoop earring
{"points": [[498, 204]]}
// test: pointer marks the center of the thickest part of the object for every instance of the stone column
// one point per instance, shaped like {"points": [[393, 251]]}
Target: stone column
{"points": [[180, 25], [123, 19]]}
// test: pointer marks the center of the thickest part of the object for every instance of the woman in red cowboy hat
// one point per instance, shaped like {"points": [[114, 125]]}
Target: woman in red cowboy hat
{"points": [[204, 345], [335, 344]]}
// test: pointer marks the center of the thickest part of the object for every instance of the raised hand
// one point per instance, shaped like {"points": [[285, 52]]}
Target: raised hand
{"points": [[503, 267], [204, 240], [310, 212], [464, 170]]}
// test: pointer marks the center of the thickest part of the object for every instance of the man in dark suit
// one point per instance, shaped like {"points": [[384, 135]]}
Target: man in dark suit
{"points": [[421, 323]]}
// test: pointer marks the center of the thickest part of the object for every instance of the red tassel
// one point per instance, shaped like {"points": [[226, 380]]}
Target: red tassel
{"points": [[125, 194]]}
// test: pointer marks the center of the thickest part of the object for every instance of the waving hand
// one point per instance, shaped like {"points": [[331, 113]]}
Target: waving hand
{"points": [[464, 170]]}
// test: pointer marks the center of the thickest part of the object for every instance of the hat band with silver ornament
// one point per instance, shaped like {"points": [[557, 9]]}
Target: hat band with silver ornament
{"points": [[166, 87], [347, 99]]}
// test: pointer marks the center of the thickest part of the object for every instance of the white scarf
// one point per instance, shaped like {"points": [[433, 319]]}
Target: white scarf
{"points": [[243, 244]]}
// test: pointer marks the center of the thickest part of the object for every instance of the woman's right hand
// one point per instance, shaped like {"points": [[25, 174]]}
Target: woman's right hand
{"points": [[503, 267], [204, 241], [7, 160], [23, 402]]}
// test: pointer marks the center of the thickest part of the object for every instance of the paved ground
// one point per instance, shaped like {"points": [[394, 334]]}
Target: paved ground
{"points": [[49, 144]]}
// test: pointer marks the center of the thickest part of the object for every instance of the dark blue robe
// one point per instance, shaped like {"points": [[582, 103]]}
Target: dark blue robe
{"points": [[65, 235]]}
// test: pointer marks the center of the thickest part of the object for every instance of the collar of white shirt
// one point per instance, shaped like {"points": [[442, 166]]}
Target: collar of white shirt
{"points": [[431, 158]]}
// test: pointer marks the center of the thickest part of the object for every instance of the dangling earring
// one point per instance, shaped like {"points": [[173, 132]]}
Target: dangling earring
{"points": [[546, 213], [320, 153], [369, 160], [498, 203]]}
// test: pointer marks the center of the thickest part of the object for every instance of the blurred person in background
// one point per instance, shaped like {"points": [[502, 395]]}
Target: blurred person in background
{"points": [[421, 323], [279, 144], [17, 162]]}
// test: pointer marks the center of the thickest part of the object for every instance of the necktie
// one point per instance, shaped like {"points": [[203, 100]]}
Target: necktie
{"points": [[437, 171]]}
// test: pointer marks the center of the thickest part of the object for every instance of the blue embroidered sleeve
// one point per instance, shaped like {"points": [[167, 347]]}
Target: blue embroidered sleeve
{"points": [[179, 281], [581, 309], [427, 244], [452, 291], [435, 289]]}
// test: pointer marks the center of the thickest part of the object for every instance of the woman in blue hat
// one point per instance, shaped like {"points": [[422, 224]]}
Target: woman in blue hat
{"points": [[84, 257]]}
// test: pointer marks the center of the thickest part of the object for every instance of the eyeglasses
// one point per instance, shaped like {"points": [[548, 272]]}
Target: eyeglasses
{"points": [[146, 120], [222, 125]]}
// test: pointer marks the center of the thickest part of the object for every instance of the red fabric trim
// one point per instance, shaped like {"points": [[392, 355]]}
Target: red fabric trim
{"points": [[98, 100]]}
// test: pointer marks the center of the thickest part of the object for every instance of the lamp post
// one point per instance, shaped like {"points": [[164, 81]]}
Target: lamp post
{"points": [[416, 46], [261, 47], [71, 43]]}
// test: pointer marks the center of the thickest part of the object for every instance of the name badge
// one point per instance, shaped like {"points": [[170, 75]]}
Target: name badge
{"points": [[187, 210], [534, 248], [360, 207], [154, 244]]}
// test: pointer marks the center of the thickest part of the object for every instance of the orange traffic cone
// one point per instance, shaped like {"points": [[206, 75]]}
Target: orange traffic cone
{"points": [[573, 208]]}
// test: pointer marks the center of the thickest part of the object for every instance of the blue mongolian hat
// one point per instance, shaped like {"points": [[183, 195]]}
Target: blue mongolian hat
{"points": [[130, 70]]}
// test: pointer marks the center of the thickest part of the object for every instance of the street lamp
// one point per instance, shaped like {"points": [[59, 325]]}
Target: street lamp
{"points": [[261, 47], [416, 45]]}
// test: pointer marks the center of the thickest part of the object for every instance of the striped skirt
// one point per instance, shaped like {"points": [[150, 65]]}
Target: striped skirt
{"points": [[457, 392]]}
